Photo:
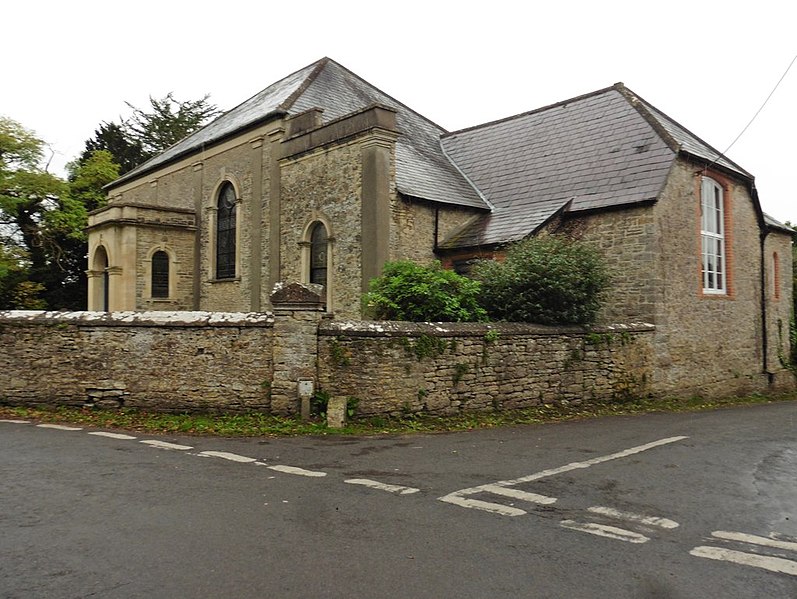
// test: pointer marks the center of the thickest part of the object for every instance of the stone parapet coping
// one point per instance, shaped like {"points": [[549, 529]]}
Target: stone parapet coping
{"points": [[145, 318], [363, 328]]}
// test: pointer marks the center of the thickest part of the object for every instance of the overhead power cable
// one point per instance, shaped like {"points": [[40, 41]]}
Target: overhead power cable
{"points": [[747, 126]]}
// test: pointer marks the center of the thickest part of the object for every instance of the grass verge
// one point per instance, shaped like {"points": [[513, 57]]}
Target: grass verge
{"points": [[264, 425]]}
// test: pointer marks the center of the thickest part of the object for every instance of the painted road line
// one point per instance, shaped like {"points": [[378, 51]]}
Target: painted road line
{"points": [[298, 471], [485, 506], [112, 435], [601, 530], [773, 564], [631, 517], [165, 445], [60, 427], [458, 497], [594, 461], [754, 540], [372, 484], [518, 494], [233, 457], [15, 421]]}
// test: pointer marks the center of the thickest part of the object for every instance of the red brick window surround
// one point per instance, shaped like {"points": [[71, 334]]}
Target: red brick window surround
{"points": [[775, 276], [714, 246]]}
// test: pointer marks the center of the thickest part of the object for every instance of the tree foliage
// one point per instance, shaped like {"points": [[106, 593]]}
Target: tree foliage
{"points": [[414, 292], [37, 220], [42, 222], [113, 138], [167, 121], [545, 280]]}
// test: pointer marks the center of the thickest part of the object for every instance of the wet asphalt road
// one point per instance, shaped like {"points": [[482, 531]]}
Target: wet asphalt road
{"points": [[681, 505]]}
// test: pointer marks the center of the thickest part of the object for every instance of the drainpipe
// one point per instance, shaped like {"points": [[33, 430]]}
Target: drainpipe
{"points": [[765, 337]]}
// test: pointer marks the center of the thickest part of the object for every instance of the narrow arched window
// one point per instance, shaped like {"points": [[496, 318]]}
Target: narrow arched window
{"points": [[160, 274], [225, 232], [712, 233], [104, 291], [318, 254]]}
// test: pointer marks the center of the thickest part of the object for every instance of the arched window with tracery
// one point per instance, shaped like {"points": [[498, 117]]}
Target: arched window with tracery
{"points": [[226, 232], [319, 243], [160, 274]]}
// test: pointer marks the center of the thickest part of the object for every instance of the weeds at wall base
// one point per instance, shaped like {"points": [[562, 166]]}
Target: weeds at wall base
{"points": [[264, 425]]}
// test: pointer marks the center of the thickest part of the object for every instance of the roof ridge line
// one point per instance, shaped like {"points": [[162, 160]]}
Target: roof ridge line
{"points": [[536, 110], [369, 84], [319, 66], [465, 176], [644, 108]]}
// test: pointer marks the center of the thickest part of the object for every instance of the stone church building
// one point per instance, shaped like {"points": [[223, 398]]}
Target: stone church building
{"points": [[322, 178]]}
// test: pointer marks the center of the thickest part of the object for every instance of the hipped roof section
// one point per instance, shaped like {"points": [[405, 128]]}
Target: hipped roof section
{"points": [[605, 149], [422, 170], [608, 148]]}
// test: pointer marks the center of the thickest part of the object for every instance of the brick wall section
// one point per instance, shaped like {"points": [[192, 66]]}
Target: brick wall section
{"points": [[399, 368], [163, 361]]}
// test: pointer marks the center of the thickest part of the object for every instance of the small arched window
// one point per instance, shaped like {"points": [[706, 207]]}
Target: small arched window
{"points": [[225, 232], [160, 274], [318, 254]]}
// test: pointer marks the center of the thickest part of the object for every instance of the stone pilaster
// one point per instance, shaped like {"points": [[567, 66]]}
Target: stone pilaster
{"points": [[298, 309]]}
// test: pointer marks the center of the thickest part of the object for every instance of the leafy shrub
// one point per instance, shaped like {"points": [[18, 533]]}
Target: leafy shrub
{"points": [[546, 280], [421, 293]]}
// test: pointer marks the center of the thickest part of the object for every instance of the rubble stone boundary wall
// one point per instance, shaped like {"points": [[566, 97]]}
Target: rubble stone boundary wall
{"points": [[161, 361], [235, 362], [404, 368]]}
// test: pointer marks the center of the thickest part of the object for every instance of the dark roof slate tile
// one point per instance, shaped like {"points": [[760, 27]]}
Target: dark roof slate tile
{"points": [[592, 152]]}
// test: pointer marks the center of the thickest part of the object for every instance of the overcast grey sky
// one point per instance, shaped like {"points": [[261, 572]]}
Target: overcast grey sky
{"points": [[707, 64]]}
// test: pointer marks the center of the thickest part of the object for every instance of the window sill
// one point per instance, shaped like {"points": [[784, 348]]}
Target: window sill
{"points": [[230, 280]]}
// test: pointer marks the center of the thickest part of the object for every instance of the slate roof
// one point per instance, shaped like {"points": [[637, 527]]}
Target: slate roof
{"points": [[422, 170], [604, 149]]}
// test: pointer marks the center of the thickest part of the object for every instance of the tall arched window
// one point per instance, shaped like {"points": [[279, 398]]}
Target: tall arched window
{"points": [[225, 232], [160, 274], [712, 233], [318, 254]]}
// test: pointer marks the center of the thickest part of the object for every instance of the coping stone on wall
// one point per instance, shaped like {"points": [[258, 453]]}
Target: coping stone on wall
{"points": [[365, 328], [145, 318]]}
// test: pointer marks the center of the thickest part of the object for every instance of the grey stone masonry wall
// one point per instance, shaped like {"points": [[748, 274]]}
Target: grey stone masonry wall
{"points": [[160, 361], [298, 309], [403, 368]]}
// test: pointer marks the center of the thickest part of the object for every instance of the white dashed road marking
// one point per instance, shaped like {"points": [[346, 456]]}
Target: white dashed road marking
{"points": [[754, 540], [773, 564], [60, 427], [601, 530], [15, 421], [636, 518], [499, 488], [233, 457], [112, 435], [298, 471], [372, 484], [518, 494], [485, 506], [165, 445]]}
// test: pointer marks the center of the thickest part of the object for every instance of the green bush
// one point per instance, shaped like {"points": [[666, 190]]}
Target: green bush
{"points": [[420, 293], [546, 280]]}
